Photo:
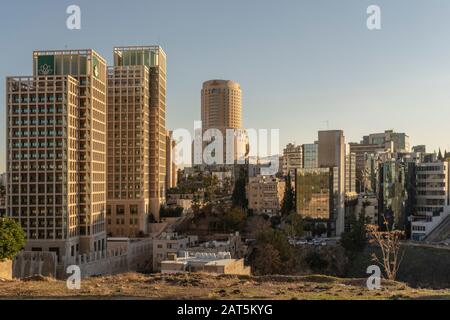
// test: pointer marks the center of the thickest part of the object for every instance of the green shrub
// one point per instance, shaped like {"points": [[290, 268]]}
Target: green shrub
{"points": [[12, 238]]}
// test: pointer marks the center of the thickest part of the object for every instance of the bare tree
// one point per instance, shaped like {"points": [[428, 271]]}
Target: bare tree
{"points": [[389, 243]]}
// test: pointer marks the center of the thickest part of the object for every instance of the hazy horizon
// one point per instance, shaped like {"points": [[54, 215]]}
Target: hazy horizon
{"points": [[303, 66]]}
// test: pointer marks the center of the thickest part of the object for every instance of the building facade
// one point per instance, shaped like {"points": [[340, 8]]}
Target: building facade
{"points": [[221, 109], [265, 194], [170, 243], [221, 105], [362, 167], [213, 263], [171, 166], [392, 195], [154, 58], [292, 159], [332, 155], [317, 195], [310, 155], [56, 152], [350, 173], [128, 198], [432, 198], [395, 141]]}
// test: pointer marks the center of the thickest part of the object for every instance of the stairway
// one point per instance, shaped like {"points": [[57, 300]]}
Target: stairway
{"points": [[440, 233]]}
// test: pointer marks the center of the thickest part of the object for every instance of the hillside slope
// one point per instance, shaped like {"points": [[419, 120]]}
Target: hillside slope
{"points": [[202, 286]]}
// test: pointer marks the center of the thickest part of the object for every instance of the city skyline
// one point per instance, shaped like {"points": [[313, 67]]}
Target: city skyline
{"points": [[328, 70]]}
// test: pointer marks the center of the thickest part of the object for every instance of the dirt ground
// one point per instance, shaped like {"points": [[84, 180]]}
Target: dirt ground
{"points": [[202, 286]]}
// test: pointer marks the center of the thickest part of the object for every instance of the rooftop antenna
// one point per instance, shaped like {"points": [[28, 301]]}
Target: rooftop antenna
{"points": [[327, 123]]}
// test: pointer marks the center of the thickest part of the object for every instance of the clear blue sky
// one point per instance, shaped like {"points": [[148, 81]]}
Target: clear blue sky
{"points": [[300, 63]]}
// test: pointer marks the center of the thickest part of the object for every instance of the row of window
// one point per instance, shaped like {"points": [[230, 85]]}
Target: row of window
{"points": [[38, 155], [122, 221], [41, 144], [41, 98], [35, 121], [39, 133]]}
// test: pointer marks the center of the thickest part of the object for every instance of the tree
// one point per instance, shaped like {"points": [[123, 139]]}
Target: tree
{"points": [[272, 253], [318, 229], [255, 225], [293, 225], [316, 261], [266, 260], [355, 240], [389, 244], [12, 238], [288, 204], [239, 196], [234, 219], [440, 156], [278, 240], [170, 212], [196, 205]]}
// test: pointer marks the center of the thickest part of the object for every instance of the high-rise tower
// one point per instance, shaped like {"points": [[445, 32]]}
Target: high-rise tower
{"points": [[56, 152], [154, 58], [221, 108], [128, 201], [221, 105], [331, 147]]}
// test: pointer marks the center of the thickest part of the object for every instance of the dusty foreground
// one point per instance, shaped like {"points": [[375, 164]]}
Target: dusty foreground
{"points": [[202, 286]]}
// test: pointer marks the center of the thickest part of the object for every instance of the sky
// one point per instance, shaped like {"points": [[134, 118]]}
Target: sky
{"points": [[303, 65]]}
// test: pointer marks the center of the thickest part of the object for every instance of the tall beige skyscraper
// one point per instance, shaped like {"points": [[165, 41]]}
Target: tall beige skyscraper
{"points": [[154, 58], [128, 199], [222, 109], [56, 152], [221, 105]]}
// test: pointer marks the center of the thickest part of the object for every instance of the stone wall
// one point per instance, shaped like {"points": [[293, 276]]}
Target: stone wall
{"points": [[28, 264], [135, 256], [6, 270]]}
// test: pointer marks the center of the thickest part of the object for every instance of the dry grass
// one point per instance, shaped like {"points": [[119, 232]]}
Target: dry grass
{"points": [[202, 286]]}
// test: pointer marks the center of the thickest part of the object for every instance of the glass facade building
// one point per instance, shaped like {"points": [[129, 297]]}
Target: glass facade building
{"points": [[317, 194], [310, 155], [392, 193]]}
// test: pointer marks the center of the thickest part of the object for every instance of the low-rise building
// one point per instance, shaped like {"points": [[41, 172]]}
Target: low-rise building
{"points": [[265, 194], [170, 243], [220, 263], [234, 245], [181, 200], [389, 139], [432, 198], [292, 159]]}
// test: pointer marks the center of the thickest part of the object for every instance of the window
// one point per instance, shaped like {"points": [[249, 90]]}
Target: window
{"points": [[120, 210]]}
